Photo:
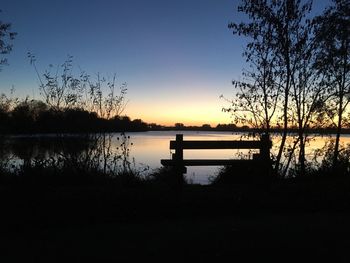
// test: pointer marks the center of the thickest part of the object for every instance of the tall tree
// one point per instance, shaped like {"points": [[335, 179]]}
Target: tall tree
{"points": [[257, 98], [333, 36], [275, 29], [6, 37], [307, 96]]}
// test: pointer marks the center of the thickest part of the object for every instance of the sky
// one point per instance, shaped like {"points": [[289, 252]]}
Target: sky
{"points": [[177, 57]]}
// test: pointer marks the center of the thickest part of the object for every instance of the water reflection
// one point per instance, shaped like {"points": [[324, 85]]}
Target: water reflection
{"points": [[42, 146], [146, 148]]}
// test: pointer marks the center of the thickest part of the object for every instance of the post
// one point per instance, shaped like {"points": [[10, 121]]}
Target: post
{"points": [[179, 152], [179, 157], [266, 145]]}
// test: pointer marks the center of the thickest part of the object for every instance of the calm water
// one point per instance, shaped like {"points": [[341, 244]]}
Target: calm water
{"points": [[148, 148]]}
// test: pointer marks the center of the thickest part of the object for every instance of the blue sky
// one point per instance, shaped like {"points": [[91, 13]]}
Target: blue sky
{"points": [[177, 57]]}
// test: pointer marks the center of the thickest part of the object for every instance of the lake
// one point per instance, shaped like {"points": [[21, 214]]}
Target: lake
{"points": [[148, 148]]}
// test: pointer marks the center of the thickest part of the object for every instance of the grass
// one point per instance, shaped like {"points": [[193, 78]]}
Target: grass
{"points": [[103, 218], [258, 237]]}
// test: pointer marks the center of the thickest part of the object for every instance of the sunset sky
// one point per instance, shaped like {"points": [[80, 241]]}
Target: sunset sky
{"points": [[177, 57]]}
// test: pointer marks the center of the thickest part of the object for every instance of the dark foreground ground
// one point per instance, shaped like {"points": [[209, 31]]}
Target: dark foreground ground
{"points": [[287, 221]]}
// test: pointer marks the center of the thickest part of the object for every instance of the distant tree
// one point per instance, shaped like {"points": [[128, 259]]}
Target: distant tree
{"points": [[179, 125], [8, 102], [124, 118], [139, 125], [25, 115], [4, 113], [79, 120], [6, 37], [333, 37], [155, 126], [22, 117], [228, 127]]}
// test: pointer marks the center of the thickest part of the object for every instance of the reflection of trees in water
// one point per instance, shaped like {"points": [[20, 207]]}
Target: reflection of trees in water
{"points": [[17, 151], [43, 147], [97, 153]]}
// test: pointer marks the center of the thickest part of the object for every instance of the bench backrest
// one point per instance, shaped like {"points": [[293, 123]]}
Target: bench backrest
{"points": [[264, 145]]}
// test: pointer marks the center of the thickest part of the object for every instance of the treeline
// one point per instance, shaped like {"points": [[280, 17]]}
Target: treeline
{"points": [[37, 117]]}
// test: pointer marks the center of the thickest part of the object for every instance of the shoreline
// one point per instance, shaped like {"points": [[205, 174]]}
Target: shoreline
{"points": [[238, 131]]}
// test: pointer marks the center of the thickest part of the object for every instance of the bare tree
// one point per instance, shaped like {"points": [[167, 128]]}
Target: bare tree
{"points": [[59, 86], [333, 36], [277, 31], [307, 95], [258, 94], [105, 97]]}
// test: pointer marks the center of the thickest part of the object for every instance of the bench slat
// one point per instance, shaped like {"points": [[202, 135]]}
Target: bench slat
{"points": [[217, 145], [206, 162]]}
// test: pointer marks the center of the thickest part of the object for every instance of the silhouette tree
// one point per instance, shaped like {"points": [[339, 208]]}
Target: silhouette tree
{"points": [[26, 113], [257, 98], [7, 104], [61, 89], [333, 36], [279, 55], [106, 105], [179, 126], [6, 37], [307, 96]]}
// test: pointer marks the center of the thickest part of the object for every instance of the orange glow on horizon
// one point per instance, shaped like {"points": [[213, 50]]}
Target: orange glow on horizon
{"points": [[188, 113], [184, 100]]}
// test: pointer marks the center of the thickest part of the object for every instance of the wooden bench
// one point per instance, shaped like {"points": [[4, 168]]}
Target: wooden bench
{"points": [[179, 145]]}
